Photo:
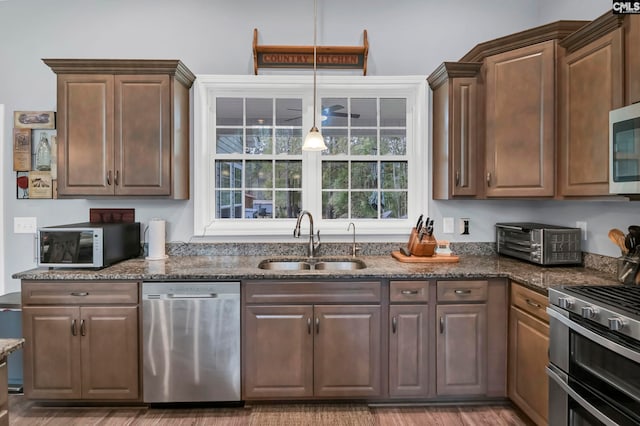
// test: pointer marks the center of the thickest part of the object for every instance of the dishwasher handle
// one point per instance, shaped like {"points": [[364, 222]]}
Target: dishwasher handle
{"points": [[192, 296]]}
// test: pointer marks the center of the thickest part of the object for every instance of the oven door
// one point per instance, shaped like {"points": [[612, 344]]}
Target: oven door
{"points": [[598, 382]]}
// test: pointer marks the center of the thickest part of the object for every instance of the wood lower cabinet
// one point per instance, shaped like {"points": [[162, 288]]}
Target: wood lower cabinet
{"points": [[528, 353], [316, 347], [462, 349], [591, 84], [409, 335], [79, 346], [122, 128], [520, 122]]}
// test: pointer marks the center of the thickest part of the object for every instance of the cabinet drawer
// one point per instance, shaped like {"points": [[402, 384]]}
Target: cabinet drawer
{"points": [[462, 291], [409, 291], [312, 292], [530, 301], [79, 293]]}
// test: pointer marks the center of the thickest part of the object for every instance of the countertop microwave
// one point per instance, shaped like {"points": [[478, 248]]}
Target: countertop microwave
{"points": [[624, 150], [87, 245]]}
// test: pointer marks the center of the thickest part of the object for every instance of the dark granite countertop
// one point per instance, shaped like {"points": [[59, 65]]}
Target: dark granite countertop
{"points": [[245, 267], [9, 345]]}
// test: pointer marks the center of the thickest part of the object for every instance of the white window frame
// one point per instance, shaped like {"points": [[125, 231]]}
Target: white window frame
{"points": [[412, 87]]}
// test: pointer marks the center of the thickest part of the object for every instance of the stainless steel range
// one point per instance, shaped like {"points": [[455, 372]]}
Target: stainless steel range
{"points": [[594, 355]]}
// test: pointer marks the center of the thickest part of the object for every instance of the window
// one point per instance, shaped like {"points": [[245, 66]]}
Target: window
{"points": [[252, 178]]}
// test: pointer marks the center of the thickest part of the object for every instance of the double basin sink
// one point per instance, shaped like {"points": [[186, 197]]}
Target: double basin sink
{"points": [[318, 264]]}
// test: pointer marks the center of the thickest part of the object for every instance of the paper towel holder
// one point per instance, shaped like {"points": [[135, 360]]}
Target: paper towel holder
{"points": [[157, 252]]}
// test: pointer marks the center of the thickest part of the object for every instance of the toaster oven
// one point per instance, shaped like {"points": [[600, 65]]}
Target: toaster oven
{"points": [[539, 243]]}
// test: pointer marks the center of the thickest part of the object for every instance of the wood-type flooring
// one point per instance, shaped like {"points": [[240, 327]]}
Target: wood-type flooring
{"points": [[23, 412]]}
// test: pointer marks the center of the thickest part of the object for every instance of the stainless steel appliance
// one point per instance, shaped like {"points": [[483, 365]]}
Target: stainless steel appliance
{"points": [[594, 355], [87, 245], [539, 243], [191, 341], [624, 150]]}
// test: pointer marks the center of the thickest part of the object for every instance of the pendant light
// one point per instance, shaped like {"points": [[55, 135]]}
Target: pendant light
{"points": [[314, 140]]}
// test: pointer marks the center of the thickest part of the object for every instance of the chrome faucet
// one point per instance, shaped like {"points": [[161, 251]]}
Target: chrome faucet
{"points": [[354, 248], [313, 245]]}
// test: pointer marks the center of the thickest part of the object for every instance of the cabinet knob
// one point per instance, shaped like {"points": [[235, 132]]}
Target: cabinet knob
{"points": [[394, 324], [462, 291], [83, 328], [109, 178], [317, 325], [117, 178], [489, 179], [309, 325], [409, 292], [441, 325], [74, 328], [457, 178]]}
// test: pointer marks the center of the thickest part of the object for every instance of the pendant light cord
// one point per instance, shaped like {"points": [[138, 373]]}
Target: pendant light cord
{"points": [[315, 31]]}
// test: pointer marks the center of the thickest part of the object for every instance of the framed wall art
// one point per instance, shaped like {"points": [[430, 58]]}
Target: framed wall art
{"points": [[21, 149], [34, 119], [40, 185], [22, 185]]}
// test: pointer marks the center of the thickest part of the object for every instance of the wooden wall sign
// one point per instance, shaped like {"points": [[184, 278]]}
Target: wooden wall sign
{"points": [[336, 57]]}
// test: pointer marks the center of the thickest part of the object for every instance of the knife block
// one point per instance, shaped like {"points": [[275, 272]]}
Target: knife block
{"points": [[426, 247]]}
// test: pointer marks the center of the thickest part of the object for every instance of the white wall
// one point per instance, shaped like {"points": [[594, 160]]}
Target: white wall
{"points": [[406, 37]]}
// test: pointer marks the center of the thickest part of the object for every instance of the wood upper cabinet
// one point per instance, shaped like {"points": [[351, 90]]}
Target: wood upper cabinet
{"points": [[591, 84], [84, 348], [520, 122], [632, 59], [456, 129], [123, 128], [528, 353]]}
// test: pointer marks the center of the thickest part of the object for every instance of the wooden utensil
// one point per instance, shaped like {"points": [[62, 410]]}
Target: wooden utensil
{"points": [[618, 237]]}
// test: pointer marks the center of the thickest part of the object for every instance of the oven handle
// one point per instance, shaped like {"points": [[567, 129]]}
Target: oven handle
{"points": [[594, 337], [580, 400]]}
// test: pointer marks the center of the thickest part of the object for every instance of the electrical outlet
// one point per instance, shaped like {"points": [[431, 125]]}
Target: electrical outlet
{"points": [[447, 225], [463, 226], [583, 226], [25, 225]]}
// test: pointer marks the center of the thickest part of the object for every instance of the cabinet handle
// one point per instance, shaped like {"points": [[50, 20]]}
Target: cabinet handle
{"points": [[109, 178], [535, 305], [462, 291], [317, 325], [409, 292], [117, 177], [74, 328], [83, 328], [441, 325], [489, 179], [394, 324], [309, 325], [457, 178], [80, 294]]}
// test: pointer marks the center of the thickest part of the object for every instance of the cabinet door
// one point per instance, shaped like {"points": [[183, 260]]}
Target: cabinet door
{"points": [[592, 85], [632, 59], [347, 351], [278, 352], [85, 134], [408, 355], [528, 359], [464, 136], [520, 124], [109, 347], [461, 350], [51, 352], [142, 135]]}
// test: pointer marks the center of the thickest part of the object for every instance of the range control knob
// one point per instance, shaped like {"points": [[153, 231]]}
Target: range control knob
{"points": [[588, 312], [565, 302], [616, 324]]}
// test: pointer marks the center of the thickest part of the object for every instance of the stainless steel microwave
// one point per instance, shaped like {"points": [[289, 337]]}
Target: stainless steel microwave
{"points": [[87, 245], [624, 150]]}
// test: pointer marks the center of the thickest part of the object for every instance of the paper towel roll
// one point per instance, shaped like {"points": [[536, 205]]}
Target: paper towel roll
{"points": [[156, 239]]}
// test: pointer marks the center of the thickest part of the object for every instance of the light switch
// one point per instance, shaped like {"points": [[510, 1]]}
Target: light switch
{"points": [[25, 225], [447, 225]]}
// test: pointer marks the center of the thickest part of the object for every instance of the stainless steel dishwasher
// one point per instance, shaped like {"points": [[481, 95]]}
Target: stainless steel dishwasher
{"points": [[191, 341]]}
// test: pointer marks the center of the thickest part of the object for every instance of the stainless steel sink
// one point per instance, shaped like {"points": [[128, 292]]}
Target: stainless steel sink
{"points": [[312, 264]]}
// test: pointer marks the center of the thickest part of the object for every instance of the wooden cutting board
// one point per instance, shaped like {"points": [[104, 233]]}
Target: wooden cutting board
{"points": [[424, 259]]}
